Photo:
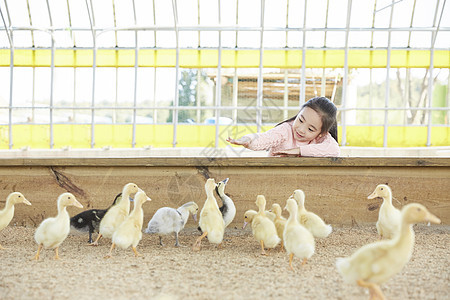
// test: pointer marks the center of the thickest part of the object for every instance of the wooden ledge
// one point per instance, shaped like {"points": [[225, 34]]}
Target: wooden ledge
{"points": [[231, 162]]}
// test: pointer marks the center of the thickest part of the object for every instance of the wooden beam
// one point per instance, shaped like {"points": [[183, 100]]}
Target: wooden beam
{"points": [[336, 188]]}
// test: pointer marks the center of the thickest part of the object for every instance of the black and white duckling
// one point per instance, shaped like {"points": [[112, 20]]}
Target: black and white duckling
{"points": [[7, 213], [89, 220], [167, 220], [228, 209]]}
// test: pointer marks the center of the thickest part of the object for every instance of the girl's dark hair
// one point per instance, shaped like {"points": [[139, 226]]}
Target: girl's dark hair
{"points": [[327, 112]]}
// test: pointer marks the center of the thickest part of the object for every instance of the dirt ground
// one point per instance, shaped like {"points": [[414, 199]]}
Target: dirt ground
{"points": [[236, 271]]}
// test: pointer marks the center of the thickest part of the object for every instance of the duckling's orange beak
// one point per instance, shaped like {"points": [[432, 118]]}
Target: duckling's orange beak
{"points": [[373, 195], [245, 224], [432, 218], [26, 202], [77, 204]]}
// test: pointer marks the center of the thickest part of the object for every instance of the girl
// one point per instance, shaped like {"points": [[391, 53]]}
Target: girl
{"points": [[312, 132]]}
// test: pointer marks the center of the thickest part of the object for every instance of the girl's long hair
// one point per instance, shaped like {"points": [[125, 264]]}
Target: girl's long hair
{"points": [[327, 112]]}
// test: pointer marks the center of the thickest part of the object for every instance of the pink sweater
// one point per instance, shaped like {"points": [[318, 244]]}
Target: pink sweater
{"points": [[281, 137]]}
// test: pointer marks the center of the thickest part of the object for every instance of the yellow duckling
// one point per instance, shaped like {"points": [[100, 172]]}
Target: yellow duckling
{"points": [[263, 228], [211, 221], [279, 221], [298, 240], [389, 217], [310, 220], [375, 263], [129, 232], [53, 231], [7, 213], [117, 213], [248, 217]]}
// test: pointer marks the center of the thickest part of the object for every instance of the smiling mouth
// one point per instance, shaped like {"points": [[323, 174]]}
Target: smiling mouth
{"points": [[299, 135]]}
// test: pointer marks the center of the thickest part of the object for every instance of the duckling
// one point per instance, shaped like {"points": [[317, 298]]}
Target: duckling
{"points": [[279, 222], [248, 217], [89, 220], [263, 228], [375, 263], [310, 220], [53, 231], [389, 217], [167, 220], [211, 221], [117, 213], [298, 240], [7, 213], [129, 232], [228, 209]]}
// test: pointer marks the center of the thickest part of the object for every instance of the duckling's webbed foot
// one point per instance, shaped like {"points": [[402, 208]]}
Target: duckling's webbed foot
{"points": [[374, 290], [263, 252], [177, 244], [198, 242], [136, 254], [110, 251], [2, 248], [56, 254], [96, 241], [36, 257]]}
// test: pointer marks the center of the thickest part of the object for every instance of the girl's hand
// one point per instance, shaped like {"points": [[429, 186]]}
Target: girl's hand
{"points": [[243, 141], [294, 151]]}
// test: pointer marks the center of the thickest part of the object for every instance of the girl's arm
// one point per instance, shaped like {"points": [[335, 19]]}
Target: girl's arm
{"points": [[263, 141], [327, 148]]}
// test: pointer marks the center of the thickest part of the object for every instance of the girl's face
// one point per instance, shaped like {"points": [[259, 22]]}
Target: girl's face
{"points": [[307, 125]]}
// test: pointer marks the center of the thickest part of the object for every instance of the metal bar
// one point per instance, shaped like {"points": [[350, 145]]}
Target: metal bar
{"points": [[430, 79], [177, 70], [345, 80], [388, 85], [102, 30], [219, 82], [136, 64], [260, 83], [234, 49], [94, 71], [11, 73], [52, 77], [302, 96], [116, 42], [213, 107], [155, 112]]}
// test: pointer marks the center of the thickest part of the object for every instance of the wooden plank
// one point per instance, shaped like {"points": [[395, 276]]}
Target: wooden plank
{"points": [[336, 192], [236, 161]]}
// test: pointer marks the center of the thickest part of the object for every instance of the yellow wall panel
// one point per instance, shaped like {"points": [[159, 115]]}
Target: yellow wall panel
{"points": [[120, 136], [230, 58]]}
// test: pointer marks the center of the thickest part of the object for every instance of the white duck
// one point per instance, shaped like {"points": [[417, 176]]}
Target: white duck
{"points": [[211, 221], [375, 263], [117, 213], [53, 231], [167, 220], [7, 213], [228, 209], [298, 240], [263, 228], [129, 232], [310, 220], [389, 217]]}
